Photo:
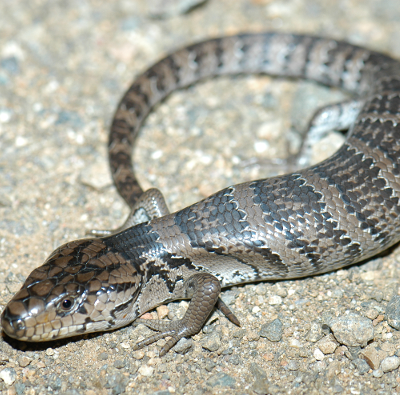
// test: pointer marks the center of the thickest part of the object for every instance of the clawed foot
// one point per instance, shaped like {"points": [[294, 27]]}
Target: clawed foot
{"points": [[151, 204], [176, 330]]}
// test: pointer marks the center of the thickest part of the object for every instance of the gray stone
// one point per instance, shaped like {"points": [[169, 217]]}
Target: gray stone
{"points": [[212, 342], [183, 345], [315, 333], [239, 333], [361, 365], [352, 330], [393, 312], [372, 313], [221, 379], [209, 365], [272, 331], [103, 356], [293, 365], [119, 364], [235, 360], [261, 384]]}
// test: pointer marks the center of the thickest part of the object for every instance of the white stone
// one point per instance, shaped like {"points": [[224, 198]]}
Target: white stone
{"points": [[390, 363], [318, 354], [146, 370], [8, 376], [275, 300]]}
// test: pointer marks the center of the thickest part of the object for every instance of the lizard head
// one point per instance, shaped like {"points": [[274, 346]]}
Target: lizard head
{"points": [[84, 286]]}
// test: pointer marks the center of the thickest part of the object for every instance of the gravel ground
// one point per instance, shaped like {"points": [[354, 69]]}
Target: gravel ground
{"points": [[63, 67]]}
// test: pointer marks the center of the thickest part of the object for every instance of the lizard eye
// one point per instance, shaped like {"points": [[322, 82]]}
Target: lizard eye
{"points": [[67, 303]]}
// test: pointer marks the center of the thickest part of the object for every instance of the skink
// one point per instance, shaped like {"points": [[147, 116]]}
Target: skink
{"points": [[338, 212]]}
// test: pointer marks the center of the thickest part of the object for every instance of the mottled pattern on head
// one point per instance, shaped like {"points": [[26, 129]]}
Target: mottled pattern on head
{"points": [[75, 291]]}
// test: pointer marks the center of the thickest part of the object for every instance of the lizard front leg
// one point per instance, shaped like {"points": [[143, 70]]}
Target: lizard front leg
{"points": [[203, 289]]}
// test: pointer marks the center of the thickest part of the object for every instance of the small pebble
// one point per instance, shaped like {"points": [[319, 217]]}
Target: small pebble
{"points": [[221, 379], [377, 294], [3, 358], [183, 345], [315, 333], [282, 292], [211, 342], [260, 289], [372, 314], [252, 336], [377, 373], [304, 352], [182, 381], [210, 365], [239, 333], [162, 312], [261, 384], [268, 356], [295, 343], [387, 336], [146, 370], [103, 356], [118, 364], [377, 320], [153, 361], [293, 365], [390, 363], [373, 356], [235, 360], [24, 361], [352, 330], [318, 354], [337, 294], [361, 365], [138, 354], [272, 331], [353, 352], [8, 375], [275, 300], [327, 344], [390, 348], [370, 275], [393, 312], [112, 345]]}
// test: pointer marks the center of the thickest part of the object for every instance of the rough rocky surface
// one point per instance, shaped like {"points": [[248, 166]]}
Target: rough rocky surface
{"points": [[63, 67], [393, 312]]}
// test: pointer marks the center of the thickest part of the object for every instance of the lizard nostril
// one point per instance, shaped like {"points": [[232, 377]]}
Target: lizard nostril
{"points": [[18, 325], [13, 327]]}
